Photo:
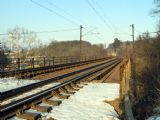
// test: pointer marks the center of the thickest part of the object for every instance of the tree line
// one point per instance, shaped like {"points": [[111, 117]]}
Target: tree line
{"points": [[68, 48]]}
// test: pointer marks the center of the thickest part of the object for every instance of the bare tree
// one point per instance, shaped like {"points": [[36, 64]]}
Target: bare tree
{"points": [[15, 37], [21, 38], [156, 10]]}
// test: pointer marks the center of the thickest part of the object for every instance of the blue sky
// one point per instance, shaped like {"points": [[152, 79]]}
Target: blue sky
{"points": [[114, 16]]}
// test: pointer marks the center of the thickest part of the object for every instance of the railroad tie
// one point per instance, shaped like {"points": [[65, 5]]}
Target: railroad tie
{"points": [[65, 91], [70, 92], [51, 118], [83, 83], [41, 108], [52, 102], [56, 93], [28, 115], [60, 96], [74, 86], [68, 87], [79, 85]]}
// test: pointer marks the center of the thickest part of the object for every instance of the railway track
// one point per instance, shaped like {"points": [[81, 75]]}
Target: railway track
{"points": [[31, 72], [13, 92], [18, 107]]}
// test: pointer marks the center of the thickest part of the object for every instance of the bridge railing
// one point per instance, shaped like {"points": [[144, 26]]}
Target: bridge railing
{"points": [[33, 62]]}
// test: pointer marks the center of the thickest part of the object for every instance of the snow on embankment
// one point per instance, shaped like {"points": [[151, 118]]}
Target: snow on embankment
{"points": [[156, 115], [11, 83], [88, 104], [154, 118]]}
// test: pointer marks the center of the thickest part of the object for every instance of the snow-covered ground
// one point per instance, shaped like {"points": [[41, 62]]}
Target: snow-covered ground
{"points": [[39, 89], [86, 104], [154, 117], [11, 83]]}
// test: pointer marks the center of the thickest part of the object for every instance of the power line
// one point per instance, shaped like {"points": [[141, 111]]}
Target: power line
{"points": [[42, 32], [104, 14], [103, 20], [64, 30], [50, 3], [147, 32], [64, 11], [50, 10], [67, 13], [112, 25], [89, 31]]}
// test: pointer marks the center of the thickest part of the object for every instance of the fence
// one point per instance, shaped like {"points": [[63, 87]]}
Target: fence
{"points": [[24, 63]]}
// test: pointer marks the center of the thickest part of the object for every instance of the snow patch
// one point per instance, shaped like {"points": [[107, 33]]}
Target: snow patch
{"points": [[156, 111], [88, 104], [26, 94], [154, 118], [12, 82]]}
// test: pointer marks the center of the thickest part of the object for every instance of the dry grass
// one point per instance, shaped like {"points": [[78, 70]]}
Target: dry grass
{"points": [[117, 104]]}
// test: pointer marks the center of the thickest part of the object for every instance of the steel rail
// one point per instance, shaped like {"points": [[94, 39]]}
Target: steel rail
{"points": [[10, 109], [13, 92]]}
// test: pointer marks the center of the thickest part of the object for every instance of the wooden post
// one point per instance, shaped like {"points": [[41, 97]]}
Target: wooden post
{"points": [[53, 60], [66, 59], [44, 61], [18, 63], [49, 61], [32, 62]]}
